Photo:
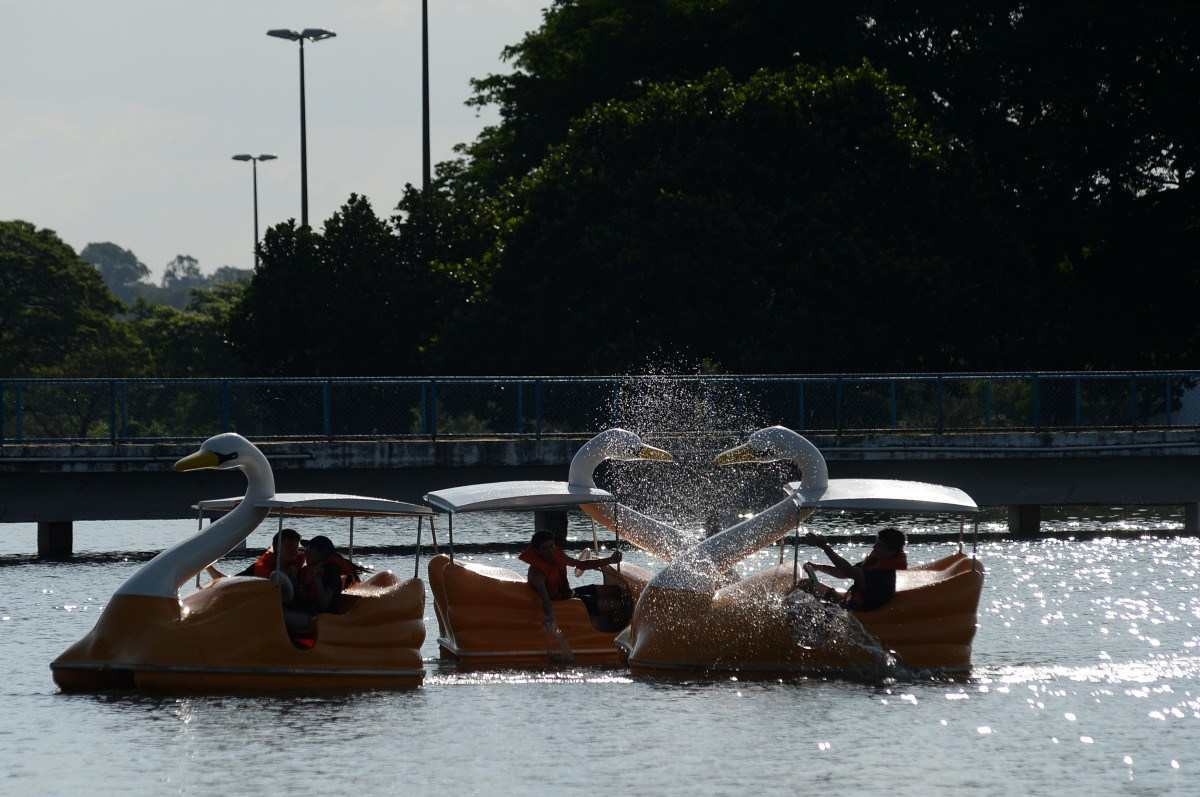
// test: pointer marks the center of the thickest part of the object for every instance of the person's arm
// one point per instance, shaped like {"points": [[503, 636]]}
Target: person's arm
{"points": [[594, 564], [846, 570], [538, 582], [830, 570]]}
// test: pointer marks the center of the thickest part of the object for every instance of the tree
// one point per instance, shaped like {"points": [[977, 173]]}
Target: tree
{"points": [[120, 269], [800, 220], [592, 51], [354, 299], [57, 317], [230, 274], [192, 342]]}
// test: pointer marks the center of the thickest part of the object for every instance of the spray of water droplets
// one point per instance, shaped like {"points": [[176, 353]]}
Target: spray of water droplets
{"points": [[695, 418]]}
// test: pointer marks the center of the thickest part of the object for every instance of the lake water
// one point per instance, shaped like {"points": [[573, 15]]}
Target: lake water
{"points": [[1086, 679]]}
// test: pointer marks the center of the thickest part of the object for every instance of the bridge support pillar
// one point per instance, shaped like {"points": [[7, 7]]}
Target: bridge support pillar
{"points": [[1025, 520], [55, 538], [1191, 518]]}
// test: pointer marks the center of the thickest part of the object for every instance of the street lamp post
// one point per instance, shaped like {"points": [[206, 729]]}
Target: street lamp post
{"points": [[254, 169], [313, 35], [425, 95]]}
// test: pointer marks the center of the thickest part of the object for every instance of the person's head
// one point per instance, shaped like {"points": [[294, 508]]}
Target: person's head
{"points": [[543, 543], [287, 543], [890, 541], [318, 548]]}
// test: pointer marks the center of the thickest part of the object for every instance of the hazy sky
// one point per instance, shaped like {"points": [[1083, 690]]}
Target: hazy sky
{"points": [[118, 118]]}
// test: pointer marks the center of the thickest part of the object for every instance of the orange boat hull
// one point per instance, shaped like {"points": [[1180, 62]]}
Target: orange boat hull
{"points": [[230, 637], [489, 616], [745, 627]]}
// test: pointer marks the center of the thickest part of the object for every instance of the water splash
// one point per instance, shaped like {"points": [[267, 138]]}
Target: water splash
{"points": [[820, 625], [694, 419]]}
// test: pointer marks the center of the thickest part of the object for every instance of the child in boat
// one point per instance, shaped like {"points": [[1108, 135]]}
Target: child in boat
{"points": [[547, 574], [874, 577]]}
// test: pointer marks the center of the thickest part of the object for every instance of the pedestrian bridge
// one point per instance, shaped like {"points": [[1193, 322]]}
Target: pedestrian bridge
{"points": [[103, 449]]}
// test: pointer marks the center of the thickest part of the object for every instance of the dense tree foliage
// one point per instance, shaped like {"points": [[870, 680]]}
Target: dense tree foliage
{"points": [[747, 223], [120, 269], [760, 185], [1075, 118], [59, 318], [192, 341], [357, 298], [129, 278], [56, 315]]}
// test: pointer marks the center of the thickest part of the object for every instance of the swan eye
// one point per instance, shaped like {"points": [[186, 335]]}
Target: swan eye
{"points": [[223, 458]]}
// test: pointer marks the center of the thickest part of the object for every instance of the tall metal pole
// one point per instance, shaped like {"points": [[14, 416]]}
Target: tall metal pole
{"points": [[425, 94], [254, 163], [303, 146], [314, 35]]}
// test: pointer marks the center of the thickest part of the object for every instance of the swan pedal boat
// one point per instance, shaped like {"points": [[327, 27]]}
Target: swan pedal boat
{"points": [[687, 620], [230, 636], [488, 616]]}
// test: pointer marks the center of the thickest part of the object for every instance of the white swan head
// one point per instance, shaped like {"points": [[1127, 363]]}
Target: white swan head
{"points": [[780, 444], [231, 451], [619, 444]]}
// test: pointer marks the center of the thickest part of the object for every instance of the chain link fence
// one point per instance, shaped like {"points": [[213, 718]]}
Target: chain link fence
{"points": [[147, 410]]}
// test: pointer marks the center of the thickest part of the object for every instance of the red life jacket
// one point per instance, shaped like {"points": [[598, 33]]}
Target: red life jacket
{"points": [[264, 565], [555, 572]]}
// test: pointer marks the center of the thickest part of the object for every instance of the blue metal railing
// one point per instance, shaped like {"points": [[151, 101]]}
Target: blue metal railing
{"points": [[137, 410]]}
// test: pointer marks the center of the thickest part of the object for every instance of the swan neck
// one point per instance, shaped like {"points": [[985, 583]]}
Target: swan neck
{"points": [[814, 472], [651, 535], [698, 569], [586, 460], [163, 575]]}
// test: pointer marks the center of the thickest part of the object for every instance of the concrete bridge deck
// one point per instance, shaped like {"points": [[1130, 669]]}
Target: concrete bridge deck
{"points": [[55, 484]]}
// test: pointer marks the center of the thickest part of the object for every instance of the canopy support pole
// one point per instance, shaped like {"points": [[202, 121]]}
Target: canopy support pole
{"points": [[617, 531], [962, 521], [199, 528], [350, 553], [595, 541], [417, 557], [433, 533], [451, 523], [796, 551]]}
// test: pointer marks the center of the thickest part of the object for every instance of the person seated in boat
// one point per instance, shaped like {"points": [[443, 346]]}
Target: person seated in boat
{"points": [[610, 604], [287, 541], [547, 577], [322, 578], [874, 577]]}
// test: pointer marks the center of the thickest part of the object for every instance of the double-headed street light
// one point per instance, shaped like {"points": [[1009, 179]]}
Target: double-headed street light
{"points": [[313, 35], [254, 164]]}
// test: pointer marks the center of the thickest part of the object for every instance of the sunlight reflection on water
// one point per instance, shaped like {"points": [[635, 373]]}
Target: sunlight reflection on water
{"points": [[1089, 649]]}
